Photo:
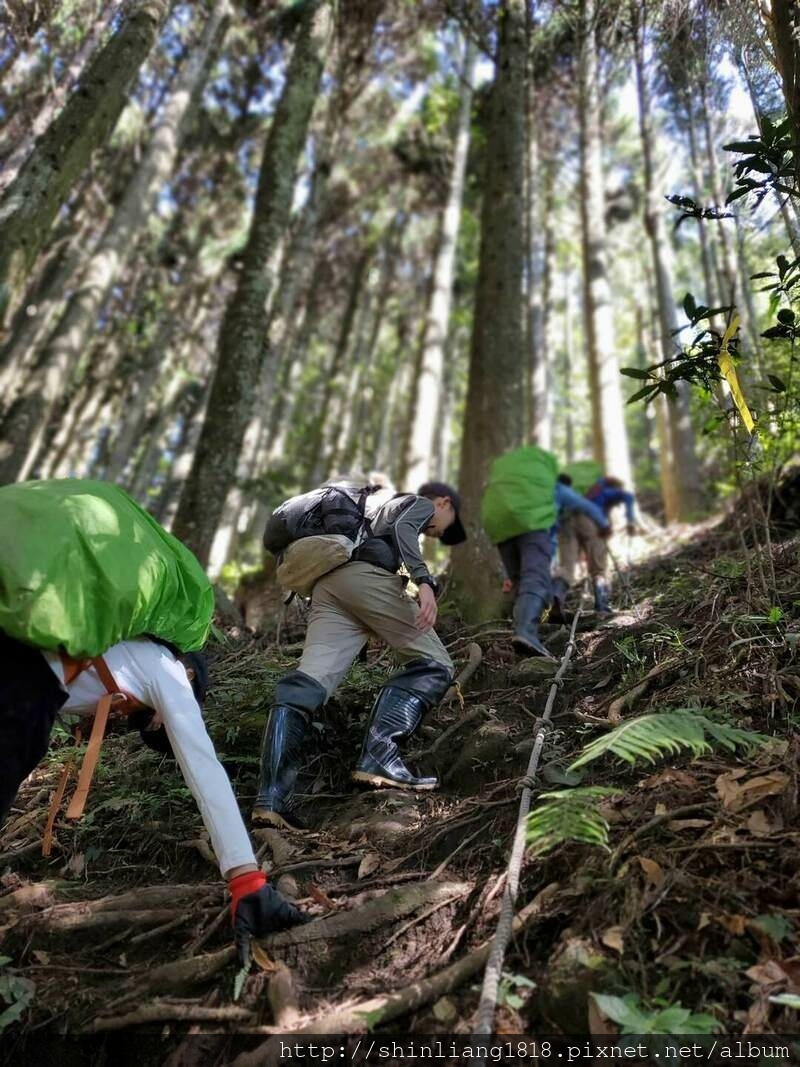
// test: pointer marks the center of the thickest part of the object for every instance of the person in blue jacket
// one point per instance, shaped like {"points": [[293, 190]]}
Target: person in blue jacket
{"points": [[576, 534], [526, 561]]}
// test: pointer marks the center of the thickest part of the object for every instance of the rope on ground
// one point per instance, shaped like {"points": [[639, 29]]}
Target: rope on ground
{"points": [[494, 966]]}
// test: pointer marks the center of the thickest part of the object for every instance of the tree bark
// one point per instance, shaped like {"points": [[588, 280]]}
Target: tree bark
{"points": [[782, 23], [315, 458], [32, 201], [57, 97], [22, 430], [242, 335], [425, 400], [681, 483], [493, 419], [610, 438]]}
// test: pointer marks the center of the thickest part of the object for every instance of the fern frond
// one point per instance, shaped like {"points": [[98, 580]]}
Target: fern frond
{"points": [[665, 734], [568, 815]]}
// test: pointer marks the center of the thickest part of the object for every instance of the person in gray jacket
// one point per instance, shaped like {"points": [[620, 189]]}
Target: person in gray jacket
{"points": [[363, 598]]}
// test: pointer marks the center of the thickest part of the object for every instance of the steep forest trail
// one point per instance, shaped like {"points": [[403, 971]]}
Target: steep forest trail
{"points": [[694, 903]]}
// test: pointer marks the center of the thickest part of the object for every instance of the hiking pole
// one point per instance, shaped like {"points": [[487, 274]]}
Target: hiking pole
{"points": [[494, 965]]}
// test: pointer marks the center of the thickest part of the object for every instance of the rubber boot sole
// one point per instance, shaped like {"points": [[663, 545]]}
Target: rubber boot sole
{"points": [[375, 779], [265, 817]]}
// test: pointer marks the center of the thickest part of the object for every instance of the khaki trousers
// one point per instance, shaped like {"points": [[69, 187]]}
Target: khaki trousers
{"points": [[578, 533], [350, 605]]}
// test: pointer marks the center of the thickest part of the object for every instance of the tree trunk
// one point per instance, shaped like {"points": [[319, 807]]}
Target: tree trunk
{"points": [[242, 335], [32, 201], [713, 297], [735, 290], [493, 419], [315, 458], [427, 394], [23, 429], [783, 25], [540, 248], [681, 481], [789, 218], [57, 97], [608, 414]]}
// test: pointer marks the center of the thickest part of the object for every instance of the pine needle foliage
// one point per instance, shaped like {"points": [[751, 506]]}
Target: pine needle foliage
{"points": [[568, 815], [668, 733]]}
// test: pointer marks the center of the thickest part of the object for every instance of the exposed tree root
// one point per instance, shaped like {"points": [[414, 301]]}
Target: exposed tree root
{"points": [[159, 1012], [360, 1015]]}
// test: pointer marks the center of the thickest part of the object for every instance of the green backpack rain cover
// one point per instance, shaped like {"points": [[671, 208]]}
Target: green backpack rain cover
{"points": [[584, 473], [82, 567], [520, 496]]}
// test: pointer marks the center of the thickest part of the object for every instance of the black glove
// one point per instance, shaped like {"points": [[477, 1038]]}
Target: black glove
{"points": [[261, 911]]}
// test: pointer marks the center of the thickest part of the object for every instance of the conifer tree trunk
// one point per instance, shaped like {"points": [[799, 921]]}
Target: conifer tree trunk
{"points": [[493, 419], [32, 201], [426, 396], [610, 437], [782, 22], [316, 458], [241, 340], [55, 99], [22, 430], [682, 480]]}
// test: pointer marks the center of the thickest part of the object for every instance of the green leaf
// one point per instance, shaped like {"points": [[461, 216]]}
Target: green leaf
{"points": [[622, 1010], [775, 926], [742, 146], [789, 1000], [668, 733], [635, 372], [648, 391], [786, 316], [568, 815], [778, 384], [689, 305]]}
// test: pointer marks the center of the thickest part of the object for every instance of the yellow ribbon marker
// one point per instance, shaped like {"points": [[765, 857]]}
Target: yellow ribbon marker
{"points": [[732, 378]]}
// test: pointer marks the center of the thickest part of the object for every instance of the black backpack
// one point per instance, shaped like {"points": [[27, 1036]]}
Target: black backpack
{"points": [[333, 508]]}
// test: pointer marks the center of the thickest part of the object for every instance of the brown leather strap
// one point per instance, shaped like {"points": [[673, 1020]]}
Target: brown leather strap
{"points": [[114, 696], [72, 666], [52, 811], [78, 802]]}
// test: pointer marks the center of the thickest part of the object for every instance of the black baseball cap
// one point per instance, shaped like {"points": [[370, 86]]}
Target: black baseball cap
{"points": [[455, 533]]}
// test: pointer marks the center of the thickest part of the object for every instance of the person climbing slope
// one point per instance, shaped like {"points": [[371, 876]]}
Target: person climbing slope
{"points": [[80, 564], [361, 597], [521, 507], [578, 533]]}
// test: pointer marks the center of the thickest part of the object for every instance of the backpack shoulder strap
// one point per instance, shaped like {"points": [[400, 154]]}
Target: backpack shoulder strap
{"points": [[113, 696]]}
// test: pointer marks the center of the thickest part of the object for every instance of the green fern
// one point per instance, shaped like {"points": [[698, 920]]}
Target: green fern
{"points": [[666, 734], [568, 815]]}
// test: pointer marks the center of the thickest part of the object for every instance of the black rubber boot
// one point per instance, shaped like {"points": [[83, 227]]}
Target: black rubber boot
{"points": [[285, 734], [528, 608], [396, 714], [601, 605]]}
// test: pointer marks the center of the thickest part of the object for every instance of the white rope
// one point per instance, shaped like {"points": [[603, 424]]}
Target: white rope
{"points": [[494, 965]]}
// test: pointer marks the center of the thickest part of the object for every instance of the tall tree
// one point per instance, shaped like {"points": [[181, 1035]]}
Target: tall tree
{"points": [[22, 429], [425, 401], [56, 99], [31, 202], [608, 416], [682, 481], [493, 419], [242, 334]]}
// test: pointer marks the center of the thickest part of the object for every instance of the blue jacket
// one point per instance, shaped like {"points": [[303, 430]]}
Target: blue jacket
{"points": [[568, 500], [607, 497]]}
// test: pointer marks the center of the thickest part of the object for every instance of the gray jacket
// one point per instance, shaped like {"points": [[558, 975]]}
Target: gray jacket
{"points": [[396, 527]]}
